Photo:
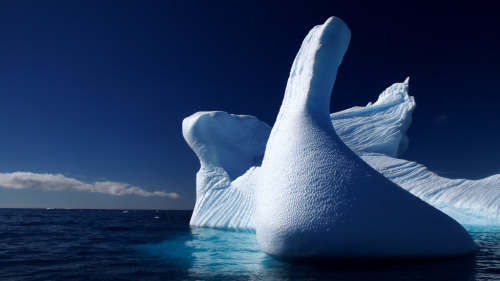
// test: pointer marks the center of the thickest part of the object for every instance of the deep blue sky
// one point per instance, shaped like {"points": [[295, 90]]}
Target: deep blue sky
{"points": [[97, 90]]}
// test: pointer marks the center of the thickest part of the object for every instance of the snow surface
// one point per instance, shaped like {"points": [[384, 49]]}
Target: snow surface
{"points": [[309, 195]]}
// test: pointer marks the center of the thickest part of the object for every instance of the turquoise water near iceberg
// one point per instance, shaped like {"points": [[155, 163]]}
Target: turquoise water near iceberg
{"points": [[211, 254], [160, 245]]}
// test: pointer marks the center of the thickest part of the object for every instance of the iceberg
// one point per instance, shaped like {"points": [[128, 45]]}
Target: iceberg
{"points": [[302, 187], [315, 198]]}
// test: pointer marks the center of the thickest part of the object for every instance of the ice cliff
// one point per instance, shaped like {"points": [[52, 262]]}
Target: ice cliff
{"points": [[303, 186]]}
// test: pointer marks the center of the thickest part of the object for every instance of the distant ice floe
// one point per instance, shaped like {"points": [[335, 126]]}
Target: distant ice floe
{"points": [[312, 191]]}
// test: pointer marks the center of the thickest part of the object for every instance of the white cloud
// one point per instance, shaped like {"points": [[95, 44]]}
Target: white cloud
{"points": [[58, 182]]}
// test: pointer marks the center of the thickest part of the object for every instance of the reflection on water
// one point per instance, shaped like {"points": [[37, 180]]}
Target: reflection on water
{"points": [[214, 254], [487, 263]]}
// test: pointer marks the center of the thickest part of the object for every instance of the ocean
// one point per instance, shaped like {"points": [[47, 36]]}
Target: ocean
{"points": [[40, 244]]}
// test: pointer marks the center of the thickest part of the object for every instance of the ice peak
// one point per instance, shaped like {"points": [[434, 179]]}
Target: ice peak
{"points": [[321, 52]]}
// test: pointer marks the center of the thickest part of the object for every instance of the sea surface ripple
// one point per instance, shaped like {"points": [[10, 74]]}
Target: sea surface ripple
{"points": [[54, 244]]}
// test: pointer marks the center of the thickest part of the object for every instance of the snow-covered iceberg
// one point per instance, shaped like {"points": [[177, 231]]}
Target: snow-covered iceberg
{"points": [[300, 187]]}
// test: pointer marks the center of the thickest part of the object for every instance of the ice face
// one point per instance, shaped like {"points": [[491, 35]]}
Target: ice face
{"points": [[379, 127], [470, 202], [310, 196], [228, 146]]}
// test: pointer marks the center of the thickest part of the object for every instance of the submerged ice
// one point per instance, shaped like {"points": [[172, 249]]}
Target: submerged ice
{"points": [[312, 191]]}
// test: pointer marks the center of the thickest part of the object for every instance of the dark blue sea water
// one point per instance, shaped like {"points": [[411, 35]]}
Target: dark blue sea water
{"points": [[38, 244]]}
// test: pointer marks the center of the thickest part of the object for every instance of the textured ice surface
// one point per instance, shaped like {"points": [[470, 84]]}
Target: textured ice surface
{"points": [[312, 196], [379, 127], [228, 146], [470, 202]]}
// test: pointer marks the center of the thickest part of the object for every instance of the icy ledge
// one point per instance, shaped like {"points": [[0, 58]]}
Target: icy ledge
{"points": [[308, 195]]}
